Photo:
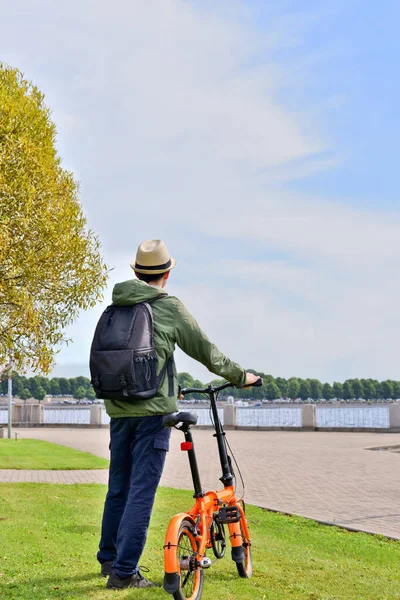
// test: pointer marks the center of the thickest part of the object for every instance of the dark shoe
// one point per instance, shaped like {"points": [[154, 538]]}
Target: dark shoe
{"points": [[106, 568], [115, 582]]}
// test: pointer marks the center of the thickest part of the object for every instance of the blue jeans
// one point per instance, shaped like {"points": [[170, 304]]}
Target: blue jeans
{"points": [[138, 449]]}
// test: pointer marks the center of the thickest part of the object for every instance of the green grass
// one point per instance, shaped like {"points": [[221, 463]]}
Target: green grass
{"points": [[49, 536], [35, 454]]}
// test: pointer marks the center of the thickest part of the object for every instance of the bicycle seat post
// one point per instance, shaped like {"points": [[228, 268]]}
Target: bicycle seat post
{"points": [[194, 468]]}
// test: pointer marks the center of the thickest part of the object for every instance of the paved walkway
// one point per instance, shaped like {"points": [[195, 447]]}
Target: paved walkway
{"points": [[330, 477]]}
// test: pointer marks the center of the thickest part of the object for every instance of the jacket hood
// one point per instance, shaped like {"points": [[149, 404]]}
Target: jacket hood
{"points": [[134, 291]]}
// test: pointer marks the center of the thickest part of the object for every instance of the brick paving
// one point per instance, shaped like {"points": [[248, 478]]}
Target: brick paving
{"points": [[67, 477], [331, 477]]}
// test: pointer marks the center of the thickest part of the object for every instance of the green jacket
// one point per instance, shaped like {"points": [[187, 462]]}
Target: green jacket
{"points": [[173, 324]]}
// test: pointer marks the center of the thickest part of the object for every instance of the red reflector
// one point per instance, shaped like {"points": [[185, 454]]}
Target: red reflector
{"points": [[186, 446]]}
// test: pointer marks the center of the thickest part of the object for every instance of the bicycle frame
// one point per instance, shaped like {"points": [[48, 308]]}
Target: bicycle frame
{"points": [[206, 504]]}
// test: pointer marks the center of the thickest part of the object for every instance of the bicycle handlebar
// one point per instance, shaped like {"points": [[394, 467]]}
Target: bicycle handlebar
{"points": [[211, 388]]}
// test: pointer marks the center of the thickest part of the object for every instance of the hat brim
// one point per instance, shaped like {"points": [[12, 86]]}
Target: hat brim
{"points": [[154, 271]]}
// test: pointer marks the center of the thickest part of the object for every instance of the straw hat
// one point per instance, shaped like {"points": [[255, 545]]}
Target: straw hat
{"points": [[152, 258]]}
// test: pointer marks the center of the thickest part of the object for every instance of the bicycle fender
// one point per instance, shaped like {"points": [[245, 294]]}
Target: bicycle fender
{"points": [[170, 558]]}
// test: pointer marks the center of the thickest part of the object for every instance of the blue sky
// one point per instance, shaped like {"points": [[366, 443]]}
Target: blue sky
{"points": [[362, 43], [261, 138], [349, 51]]}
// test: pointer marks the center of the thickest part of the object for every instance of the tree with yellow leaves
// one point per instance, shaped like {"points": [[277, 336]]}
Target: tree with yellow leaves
{"points": [[50, 262]]}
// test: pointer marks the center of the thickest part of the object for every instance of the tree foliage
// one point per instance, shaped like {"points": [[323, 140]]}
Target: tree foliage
{"points": [[348, 390], [55, 387], [327, 392], [282, 385], [395, 389], [305, 389], [387, 389], [50, 264], [39, 393], [65, 386], [357, 387], [296, 387], [316, 389], [272, 392], [89, 394], [293, 389], [25, 388], [337, 389], [369, 390], [79, 393], [185, 380], [25, 394]]}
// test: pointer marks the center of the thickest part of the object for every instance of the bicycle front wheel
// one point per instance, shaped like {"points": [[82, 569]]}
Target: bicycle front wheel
{"points": [[245, 568], [191, 575]]}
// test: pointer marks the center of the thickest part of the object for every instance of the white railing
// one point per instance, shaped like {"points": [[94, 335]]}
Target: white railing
{"points": [[268, 417], [67, 416], [377, 417], [105, 419], [3, 415], [332, 417]]}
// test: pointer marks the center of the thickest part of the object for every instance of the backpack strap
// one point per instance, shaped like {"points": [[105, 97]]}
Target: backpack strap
{"points": [[169, 369], [169, 365]]}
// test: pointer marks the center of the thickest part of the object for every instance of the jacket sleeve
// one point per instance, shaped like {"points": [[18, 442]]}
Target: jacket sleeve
{"points": [[194, 342]]}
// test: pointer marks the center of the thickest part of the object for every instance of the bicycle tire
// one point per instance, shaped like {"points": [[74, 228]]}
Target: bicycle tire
{"points": [[191, 580], [245, 568]]}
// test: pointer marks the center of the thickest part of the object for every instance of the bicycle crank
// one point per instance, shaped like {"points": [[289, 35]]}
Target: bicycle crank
{"points": [[187, 563]]}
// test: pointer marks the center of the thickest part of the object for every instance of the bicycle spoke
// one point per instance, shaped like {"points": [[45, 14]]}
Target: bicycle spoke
{"points": [[185, 553]]}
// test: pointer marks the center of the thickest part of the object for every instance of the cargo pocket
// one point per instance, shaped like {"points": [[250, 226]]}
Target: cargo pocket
{"points": [[160, 449], [161, 441]]}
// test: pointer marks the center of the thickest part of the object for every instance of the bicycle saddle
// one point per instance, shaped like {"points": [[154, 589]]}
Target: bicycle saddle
{"points": [[186, 418]]}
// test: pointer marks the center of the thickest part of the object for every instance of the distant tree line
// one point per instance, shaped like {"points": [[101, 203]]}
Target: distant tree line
{"points": [[38, 387], [304, 389], [273, 388]]}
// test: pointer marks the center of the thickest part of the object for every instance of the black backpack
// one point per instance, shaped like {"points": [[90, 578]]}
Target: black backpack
{"points": [[123, 361]]}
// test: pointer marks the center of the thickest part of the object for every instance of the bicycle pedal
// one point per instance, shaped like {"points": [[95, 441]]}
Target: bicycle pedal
{"points": [[228, 514]]}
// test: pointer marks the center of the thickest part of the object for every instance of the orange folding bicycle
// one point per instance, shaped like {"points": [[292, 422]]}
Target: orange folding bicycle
{"points": [[190, 535]]}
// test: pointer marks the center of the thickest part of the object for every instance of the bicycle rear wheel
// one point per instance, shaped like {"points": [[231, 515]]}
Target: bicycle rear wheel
{"points": [[191, 575], [245, 568]]}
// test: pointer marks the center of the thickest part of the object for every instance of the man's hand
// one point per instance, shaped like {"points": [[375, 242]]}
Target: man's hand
{"points": [[251, 378]]}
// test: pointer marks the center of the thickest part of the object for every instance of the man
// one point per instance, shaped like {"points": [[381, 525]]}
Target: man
{"points": [[139, 441]]}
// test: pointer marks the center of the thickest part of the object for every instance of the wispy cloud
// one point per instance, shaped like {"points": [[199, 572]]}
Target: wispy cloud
{"points": [[176, 121]]}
